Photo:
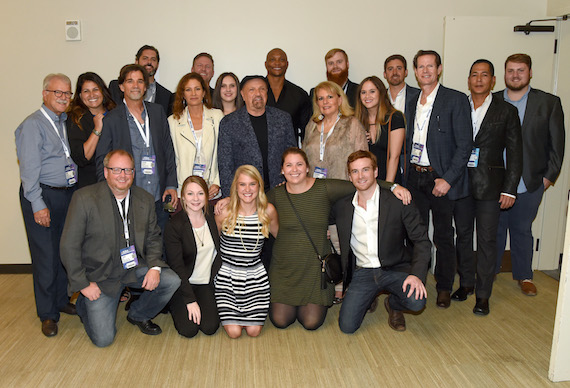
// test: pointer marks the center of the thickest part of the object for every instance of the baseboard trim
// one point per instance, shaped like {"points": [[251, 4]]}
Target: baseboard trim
{"points": [[15, 268]]}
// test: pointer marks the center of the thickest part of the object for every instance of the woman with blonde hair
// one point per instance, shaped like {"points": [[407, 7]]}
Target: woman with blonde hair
{"points": [[242, 285], [194, 129], [332, 134], [385, 127]]}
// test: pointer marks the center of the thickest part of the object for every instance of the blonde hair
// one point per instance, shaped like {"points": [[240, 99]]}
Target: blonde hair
{"points": [[230, 222], [333, 88]]}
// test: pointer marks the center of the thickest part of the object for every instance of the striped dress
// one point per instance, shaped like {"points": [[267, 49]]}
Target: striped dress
{"points": [[242, 285]]}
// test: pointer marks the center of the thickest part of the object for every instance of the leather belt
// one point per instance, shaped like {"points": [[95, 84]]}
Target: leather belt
{"points": [[44, 186], [422, 168]]}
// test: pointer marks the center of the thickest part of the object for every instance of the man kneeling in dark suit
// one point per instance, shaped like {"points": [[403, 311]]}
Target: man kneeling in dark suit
{"points": [[372, 228], [111, 240]]}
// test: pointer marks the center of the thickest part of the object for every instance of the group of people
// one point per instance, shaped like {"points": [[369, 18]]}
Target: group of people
{"points": [[161, 159]]}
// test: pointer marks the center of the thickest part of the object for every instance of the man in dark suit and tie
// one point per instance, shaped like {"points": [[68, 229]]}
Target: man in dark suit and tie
{"points": [[255, 134], [111, 240], [147, 57], [439, 143], [542, 122], [140, 128], [372, 228], [493, 182]]}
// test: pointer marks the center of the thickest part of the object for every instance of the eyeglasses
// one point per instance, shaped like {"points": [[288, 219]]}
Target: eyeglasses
{"points": [[118, 170], [59, 93]]}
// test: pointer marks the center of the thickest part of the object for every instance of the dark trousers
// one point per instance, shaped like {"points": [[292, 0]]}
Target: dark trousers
{"points": [[477, 272], [209, 322], [421, 185], [50, 279], [518, 220]]}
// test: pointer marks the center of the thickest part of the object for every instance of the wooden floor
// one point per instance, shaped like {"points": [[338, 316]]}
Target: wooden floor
{"points": [[441, 348]]}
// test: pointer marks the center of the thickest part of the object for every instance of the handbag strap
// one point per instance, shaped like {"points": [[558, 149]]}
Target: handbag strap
{"points": [[319, 257]]}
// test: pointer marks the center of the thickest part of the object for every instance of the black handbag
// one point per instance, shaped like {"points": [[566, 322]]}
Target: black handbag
{"points": [[331, 267]]}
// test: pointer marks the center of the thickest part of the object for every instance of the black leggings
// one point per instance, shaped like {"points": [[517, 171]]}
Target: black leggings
{"points": [[209, 322], [311, 316]]}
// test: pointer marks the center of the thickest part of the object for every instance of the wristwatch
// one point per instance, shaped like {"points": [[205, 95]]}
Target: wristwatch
{"points": [[97, 133]]}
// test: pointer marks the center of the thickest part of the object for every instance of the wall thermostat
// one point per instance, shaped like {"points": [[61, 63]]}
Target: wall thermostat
{"points": [[72, 30]]}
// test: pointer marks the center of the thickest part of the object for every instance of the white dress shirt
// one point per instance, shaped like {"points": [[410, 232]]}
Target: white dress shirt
{"points": [[364, 234]]}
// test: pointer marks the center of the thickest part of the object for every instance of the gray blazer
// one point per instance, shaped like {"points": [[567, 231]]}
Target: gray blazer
{"points": [[543, 138], [237, 145], [88, 242]]}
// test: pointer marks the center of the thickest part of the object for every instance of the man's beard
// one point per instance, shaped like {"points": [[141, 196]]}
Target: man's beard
{"points": [[514, 88], [339, 79]]}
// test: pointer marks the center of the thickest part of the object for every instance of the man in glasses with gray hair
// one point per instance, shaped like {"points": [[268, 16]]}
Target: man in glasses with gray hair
{"points": [[48, 177]]}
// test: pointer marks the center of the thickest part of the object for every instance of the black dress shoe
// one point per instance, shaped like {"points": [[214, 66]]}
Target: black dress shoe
{"points": [[49, 327], [481, 306], [69, 309], [146, 326], [462, 293], [443, 299]]}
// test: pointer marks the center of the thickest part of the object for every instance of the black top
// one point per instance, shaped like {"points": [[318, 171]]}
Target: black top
{"points": [[380, 148], [259, 124], [295, 101], [86, 173]]}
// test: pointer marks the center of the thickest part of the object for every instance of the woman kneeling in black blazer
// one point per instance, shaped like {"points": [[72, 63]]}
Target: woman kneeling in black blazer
{"points": [[192, 251]]}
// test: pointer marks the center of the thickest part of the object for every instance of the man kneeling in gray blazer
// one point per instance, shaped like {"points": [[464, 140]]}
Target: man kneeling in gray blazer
{"points": [[111, 240], [372, 228]]}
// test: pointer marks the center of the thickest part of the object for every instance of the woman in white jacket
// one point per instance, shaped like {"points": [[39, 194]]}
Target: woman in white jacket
{"points": [[194, 130]]}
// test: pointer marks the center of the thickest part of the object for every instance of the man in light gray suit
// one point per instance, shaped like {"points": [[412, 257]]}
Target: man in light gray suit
{"points": [[256, 134], [111, 240]]}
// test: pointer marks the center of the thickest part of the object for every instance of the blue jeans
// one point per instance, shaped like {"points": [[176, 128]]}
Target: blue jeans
{"points": [[518, 220], [99, 316], [365, 285]]}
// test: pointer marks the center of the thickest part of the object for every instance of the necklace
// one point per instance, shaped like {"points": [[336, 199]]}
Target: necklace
{"points": [[240, 220], [200, 239]]}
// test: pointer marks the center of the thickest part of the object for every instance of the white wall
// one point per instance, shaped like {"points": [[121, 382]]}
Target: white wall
{"points": [[237, 34]]}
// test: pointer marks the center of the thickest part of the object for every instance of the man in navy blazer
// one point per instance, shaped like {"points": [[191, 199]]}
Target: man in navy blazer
{"points": [[255, 134], [542, 122], [147, 57], [141, 128], [402, 96], [373, 226], [496, 130], [439, 144]]}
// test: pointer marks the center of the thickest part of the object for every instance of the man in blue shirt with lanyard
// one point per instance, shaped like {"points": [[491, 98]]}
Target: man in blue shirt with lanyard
{"points": [[48, 177], [140, 128]]}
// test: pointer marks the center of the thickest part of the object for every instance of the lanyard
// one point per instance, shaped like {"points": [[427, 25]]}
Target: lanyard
{"points": [[65, 149], [124, 216], [198, 141], [323, 139], [428, 115], [144, 134]]}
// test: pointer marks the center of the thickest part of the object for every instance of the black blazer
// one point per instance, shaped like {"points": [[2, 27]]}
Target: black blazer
{"points": [[543, 138], [411, 101], [499, 130], [181, 250], [395, 222], [351, 89], [163, 98], [449, 139], [116, 135]]}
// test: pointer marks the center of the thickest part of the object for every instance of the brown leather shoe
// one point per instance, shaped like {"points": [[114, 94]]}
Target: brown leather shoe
{"points": [[396, 319], [373, 306], [527, 287], [443, 299], [49, 327]]}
